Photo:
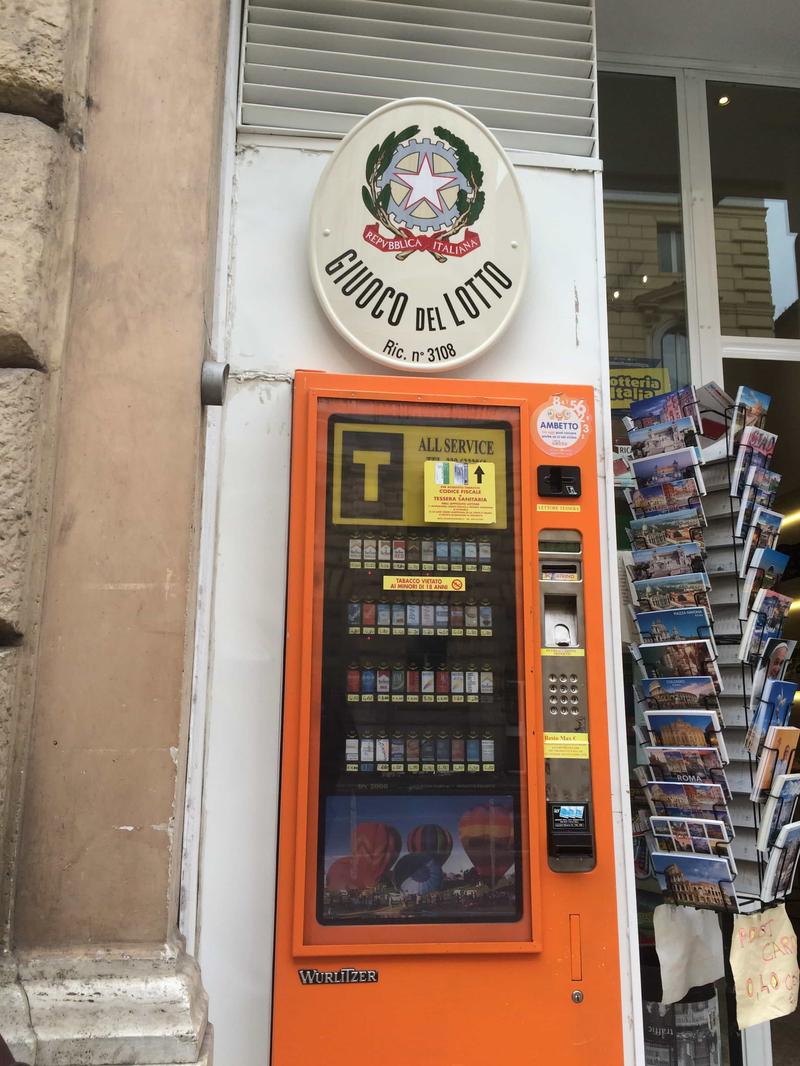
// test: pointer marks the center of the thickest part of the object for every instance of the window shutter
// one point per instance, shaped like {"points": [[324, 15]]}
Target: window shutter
{"points": [[525, 68]]}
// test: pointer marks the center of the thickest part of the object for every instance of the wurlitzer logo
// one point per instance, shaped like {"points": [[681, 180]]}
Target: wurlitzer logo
{"points": [[344, 976]]}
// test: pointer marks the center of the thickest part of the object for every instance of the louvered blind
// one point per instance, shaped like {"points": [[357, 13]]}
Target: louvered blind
{"points": [[525, 68]]}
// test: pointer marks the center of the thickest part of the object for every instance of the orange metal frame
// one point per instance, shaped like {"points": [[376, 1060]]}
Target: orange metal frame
{"points": [[516, 978]]}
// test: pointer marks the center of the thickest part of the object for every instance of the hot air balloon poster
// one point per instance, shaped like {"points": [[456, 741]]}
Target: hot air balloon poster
{"points": [[392, 860]]}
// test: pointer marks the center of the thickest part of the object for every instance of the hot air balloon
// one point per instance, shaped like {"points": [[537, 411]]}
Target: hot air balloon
{"points": [[418, 874], [352, 872], [376, 844], [487, 836], [432, 839]]}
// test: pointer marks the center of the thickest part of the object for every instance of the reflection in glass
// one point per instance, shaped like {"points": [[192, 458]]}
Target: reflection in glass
{"points": [[755, 170], [646, 289]]}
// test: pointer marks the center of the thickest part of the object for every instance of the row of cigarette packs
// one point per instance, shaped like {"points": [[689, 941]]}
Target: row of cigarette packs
{"points": [[410, 684], [412, 617], [413, 552], [420, 752]]}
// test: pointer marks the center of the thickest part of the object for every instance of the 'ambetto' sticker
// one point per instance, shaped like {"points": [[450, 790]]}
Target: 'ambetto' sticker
{"points": [[562, 425]]}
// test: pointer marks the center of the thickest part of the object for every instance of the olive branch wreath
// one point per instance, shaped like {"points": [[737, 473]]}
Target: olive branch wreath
{"points": [[469, 202]]}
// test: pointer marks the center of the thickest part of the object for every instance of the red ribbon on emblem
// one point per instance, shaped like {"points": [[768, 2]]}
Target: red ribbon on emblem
{"points": [[410, 242]]}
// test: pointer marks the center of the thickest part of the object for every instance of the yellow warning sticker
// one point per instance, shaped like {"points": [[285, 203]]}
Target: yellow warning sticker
{"points": [[563, 651], [459, 493], [424, 583], [558, 507], [566, 745]]}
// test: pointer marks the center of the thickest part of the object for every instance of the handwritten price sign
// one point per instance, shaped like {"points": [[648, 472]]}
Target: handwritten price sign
{"points": [[764, 965]]}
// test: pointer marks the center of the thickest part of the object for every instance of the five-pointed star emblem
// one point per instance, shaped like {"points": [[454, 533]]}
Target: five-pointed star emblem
{"points": [[425, 185]]}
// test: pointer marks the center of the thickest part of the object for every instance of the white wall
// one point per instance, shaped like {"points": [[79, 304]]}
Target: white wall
{"points": [[276, 327]]}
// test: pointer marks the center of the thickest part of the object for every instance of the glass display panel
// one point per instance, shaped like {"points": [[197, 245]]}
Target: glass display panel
{"points": [[420, 769], [643, 217], [754, 140]]}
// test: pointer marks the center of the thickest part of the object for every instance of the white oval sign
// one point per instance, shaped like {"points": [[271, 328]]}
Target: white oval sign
{"points": [[419, 237]]}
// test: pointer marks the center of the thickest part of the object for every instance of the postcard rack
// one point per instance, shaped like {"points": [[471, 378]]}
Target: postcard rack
{"points": [[746, 620], [738, 678]]}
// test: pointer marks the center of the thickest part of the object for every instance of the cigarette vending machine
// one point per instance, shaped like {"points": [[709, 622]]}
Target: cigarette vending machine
{"points": [[446, 879]]}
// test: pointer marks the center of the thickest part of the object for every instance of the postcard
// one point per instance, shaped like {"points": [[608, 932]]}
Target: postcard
{"points": [[680, 590], [681, 797], [681, 658], [694, 765], [782, 864], [694, 836], [774, 708], [666, 561], [677, 527], [762, 533], [760, 488], [664, 437], [678, 799], [686, 729], [771, 666], [749, 410], [715, 407], [665, 498], [777, 756], [679, 693], [667, 469], [680, 623], [709, 829], [756, 448], [778, 810], [695, 881], [766, 569], [621, 464], [668, 407], [765, 622]]}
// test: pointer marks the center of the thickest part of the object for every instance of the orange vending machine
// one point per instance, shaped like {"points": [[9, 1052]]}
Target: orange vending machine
{"points": [[446, 881]]}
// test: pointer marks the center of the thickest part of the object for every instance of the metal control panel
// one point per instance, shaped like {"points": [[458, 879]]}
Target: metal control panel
{"points": [[568, 783]]}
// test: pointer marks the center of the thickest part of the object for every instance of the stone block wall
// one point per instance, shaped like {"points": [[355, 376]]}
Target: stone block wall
{"points": [[41, 65], [38, 184], [32, 161], [108, 216], [34, 50], [20, 428]]}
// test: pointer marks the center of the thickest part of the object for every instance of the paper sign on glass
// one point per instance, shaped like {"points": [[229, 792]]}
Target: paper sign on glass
{"points": [[689, 947], [764, 965], [459, 492]]}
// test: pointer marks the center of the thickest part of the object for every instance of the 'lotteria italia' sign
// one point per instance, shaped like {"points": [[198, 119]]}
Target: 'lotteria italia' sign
{"points": [[419, 237]]}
